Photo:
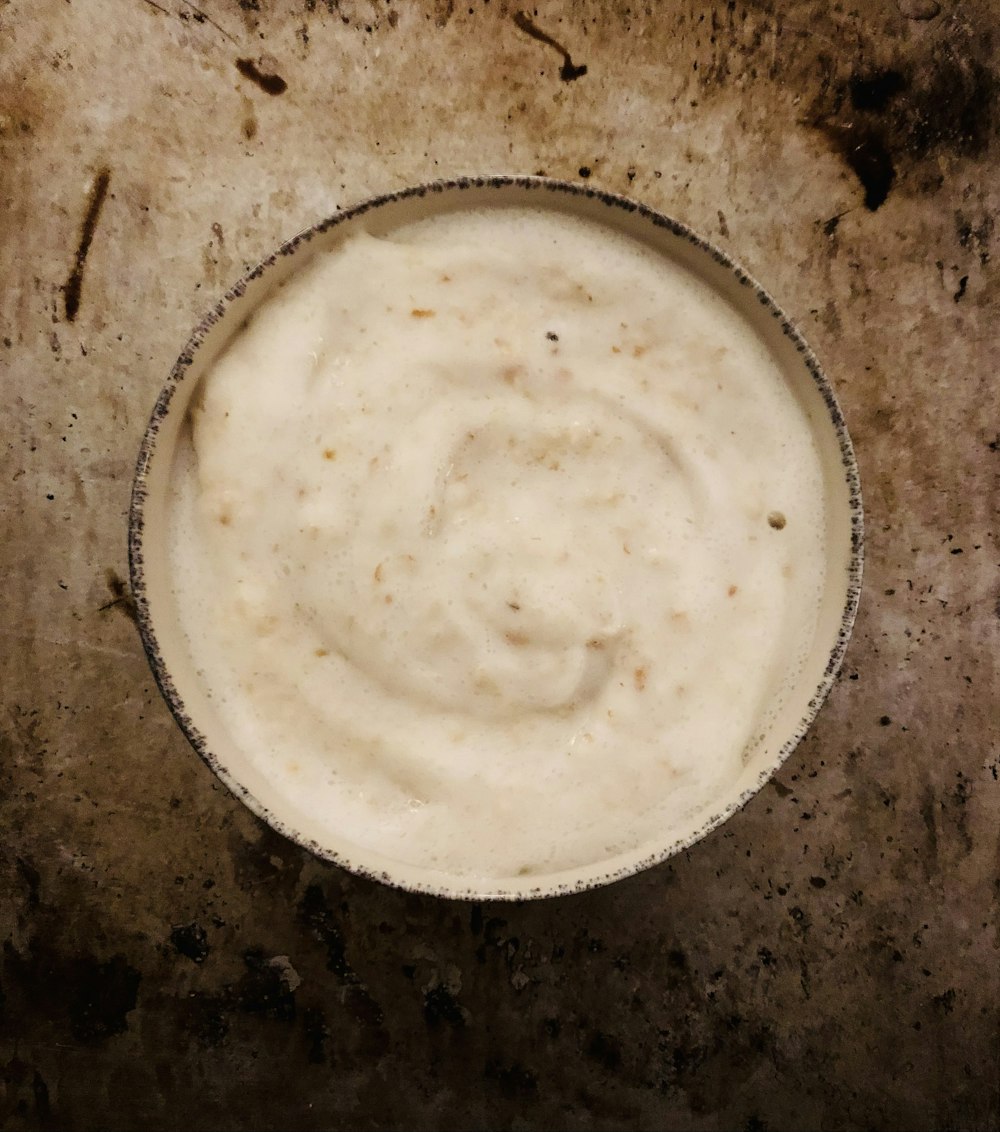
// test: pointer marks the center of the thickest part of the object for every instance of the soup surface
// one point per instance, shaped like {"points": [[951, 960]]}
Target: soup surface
{"points": [[497, 541]]}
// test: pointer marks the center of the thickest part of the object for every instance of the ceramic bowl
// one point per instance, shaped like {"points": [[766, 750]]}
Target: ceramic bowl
{"points": [[166, 646]]}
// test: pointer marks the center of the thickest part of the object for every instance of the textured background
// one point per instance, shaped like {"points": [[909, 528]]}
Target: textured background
{"points": [[830, 958]]}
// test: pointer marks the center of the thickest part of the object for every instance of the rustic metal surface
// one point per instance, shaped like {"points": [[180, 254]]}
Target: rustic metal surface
{"points": [[830, 957]]}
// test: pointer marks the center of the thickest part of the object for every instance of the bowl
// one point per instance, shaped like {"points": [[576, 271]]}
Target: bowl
{"points": [[180, 675]]}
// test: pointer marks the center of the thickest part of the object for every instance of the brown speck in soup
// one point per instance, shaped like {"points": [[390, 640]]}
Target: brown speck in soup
{"points": [[420, 312], [388, 599], [517, 639], [329, 453], [595, 643], [377, 573], [513, 605], [322, 652], [732, 591], [776, 520], [639, 679]]}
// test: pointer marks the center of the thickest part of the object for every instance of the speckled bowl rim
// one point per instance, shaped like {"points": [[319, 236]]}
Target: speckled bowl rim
{"points": [[536, 886]]}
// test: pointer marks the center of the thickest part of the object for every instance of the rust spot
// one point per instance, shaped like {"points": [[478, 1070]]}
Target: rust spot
{"points": [[74, 284], [322, 652], [639, 678], [329, 453], [419, 312], [269, 83], [732, 591], [595, 643], [569, 70], [638, 351]]}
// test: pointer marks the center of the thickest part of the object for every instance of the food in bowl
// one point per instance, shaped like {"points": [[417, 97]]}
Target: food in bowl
{"points": [[499, 545]]}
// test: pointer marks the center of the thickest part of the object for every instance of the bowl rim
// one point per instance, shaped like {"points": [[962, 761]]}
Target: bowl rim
{"points": [[537, 886]]}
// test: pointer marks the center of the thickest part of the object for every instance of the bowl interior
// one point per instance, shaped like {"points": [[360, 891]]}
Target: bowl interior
{"points": [[167, 647]]}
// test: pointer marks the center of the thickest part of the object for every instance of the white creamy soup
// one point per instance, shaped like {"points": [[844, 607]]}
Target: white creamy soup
{"points": [[497, 542]]}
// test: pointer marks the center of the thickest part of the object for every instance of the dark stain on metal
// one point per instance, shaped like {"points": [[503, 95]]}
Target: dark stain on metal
{"points": [[875, 92], [103, 997], [315, 913], [91, 998], [881, 120], [191, 941], [121, 596], [268, 82], [263, 989], [605, 1050], [868, 156], [74, 284], [975, 238], [569, 70]]}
